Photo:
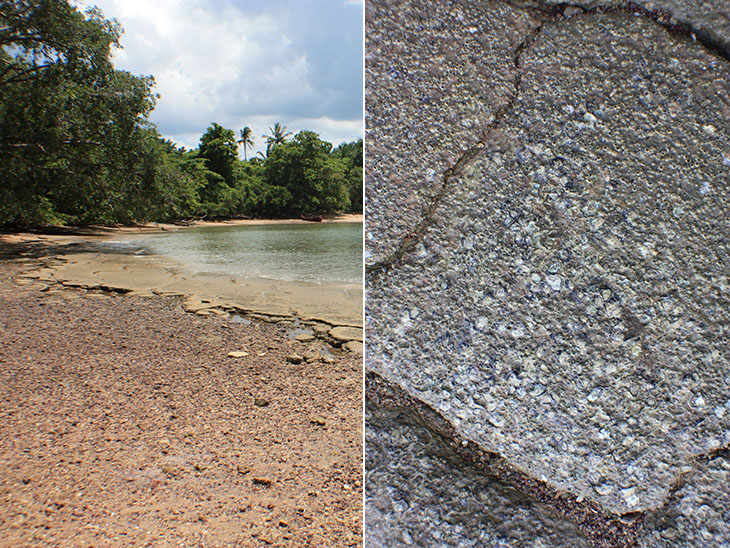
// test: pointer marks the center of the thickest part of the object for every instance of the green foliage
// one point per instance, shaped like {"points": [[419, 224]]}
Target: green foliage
{"points": [[246, 140], [218, 147], [76, 146], [71, 127], [313, 179], [279, 136], [351, 155]]}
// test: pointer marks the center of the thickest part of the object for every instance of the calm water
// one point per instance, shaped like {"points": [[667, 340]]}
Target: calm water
{"points": [[306, 252]]}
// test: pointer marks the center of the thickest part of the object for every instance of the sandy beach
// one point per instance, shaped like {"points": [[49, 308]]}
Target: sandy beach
{"points": [[126, 423], [145, 417], [73, 258]]}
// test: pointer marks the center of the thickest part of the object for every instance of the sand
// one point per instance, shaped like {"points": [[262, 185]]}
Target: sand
{"points": [[126, 423], [71, 259]]}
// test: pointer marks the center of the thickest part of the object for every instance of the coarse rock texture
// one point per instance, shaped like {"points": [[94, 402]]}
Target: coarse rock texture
{"points": [[707, 19], [563, 301], [419, 494], [696, 515], [434, 76], [125, 423]]}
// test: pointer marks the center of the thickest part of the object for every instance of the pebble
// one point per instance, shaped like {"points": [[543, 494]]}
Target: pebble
{"points": [[294, 358], [262, 480], [353, 346], [318, 421], [260, 402], [555, 282], [237, 354]]}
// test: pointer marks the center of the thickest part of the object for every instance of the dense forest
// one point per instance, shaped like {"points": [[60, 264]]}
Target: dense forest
{"points": [[77, 146]]}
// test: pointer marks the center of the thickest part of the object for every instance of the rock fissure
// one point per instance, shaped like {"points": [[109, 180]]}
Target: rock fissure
{"points": [[544, 14], [603, 529]]}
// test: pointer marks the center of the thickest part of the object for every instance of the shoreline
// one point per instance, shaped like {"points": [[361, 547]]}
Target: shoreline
{"points": [[332, 312], [101, 230]]}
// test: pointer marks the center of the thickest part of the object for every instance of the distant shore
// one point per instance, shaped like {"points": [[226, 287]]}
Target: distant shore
{"points": [[344, 218]]}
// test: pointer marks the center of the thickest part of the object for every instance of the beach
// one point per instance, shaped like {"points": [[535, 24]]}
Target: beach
{"points": [[141, 416]]}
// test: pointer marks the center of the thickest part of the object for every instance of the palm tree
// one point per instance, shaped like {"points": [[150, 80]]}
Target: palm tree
{"points": [[246, 140], [278, 136]]}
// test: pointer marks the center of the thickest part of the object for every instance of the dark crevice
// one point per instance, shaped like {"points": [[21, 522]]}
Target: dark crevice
{"points": [[601, 528], [544, 14]]}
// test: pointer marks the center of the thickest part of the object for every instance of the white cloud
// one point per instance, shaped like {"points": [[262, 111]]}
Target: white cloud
{"points": [[333, 131], [245, 62]]}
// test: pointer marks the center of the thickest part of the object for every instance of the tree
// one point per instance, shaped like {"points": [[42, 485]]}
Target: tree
{"points": [[246, 140], [72, 129], [279, 136], [218, 147], [351, 155], [314, 180]]}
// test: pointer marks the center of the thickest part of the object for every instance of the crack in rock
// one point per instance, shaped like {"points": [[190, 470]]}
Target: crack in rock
{"points": [[545, 13], [602, 528]]}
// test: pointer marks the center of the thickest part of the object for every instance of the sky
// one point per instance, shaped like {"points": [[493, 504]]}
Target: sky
{"points": [[246, 63]]}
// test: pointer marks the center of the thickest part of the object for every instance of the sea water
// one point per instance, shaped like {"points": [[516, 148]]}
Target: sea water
{"points": [[327, 252]]}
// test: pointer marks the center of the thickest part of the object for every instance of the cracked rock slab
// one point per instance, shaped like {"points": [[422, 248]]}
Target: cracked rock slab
{"points": [[419, 494], [434, 78], [697, 514], [708, 20], [568, 305]]}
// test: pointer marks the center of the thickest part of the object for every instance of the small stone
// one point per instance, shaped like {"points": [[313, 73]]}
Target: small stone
{"points": [[243, 470], [262, 480], [353, 346], [555, 282], [709, 129], [283, 523], [328, 359], [318, 421], [237, 354], [260, 402], [345, 334], [496, 420], [310, 357], [170, 471], [603, 489], [629, 495], [294, 358]]}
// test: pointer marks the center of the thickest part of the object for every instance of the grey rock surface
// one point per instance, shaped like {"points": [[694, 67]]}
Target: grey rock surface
{"points": [[710, 19], [434, 75], [421, 495], [567, 303], [697, 514]]}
